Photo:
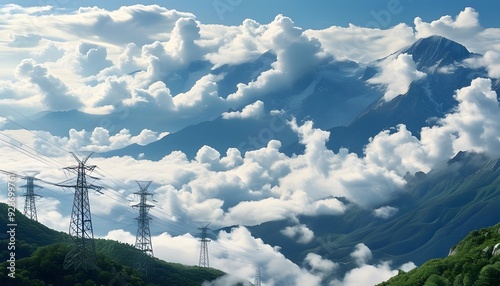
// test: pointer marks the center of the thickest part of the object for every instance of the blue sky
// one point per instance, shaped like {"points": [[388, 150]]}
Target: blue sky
{"points": [[313, 14], [123, 63]]}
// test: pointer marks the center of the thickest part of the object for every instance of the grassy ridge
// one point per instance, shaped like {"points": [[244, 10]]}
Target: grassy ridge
{"points": [[40, 253], [472, 262]]}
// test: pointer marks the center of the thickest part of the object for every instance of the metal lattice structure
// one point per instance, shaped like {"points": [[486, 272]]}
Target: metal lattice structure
{"points": [[204, 261], [30, 197], [143, 237], [257, 281], [82, 254]]}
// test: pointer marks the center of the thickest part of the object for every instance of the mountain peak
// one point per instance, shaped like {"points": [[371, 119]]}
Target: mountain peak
{"points": [[436, 51]]}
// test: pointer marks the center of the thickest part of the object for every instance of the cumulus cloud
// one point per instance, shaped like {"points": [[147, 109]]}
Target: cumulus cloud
{"points": [[464, 28], [385, 212], [296, 55], [397, 74], [363, 44], [99, 140], [254, 110], [319, 265], [56, 95], [473, 126], [369, 274], [490, 61], [301, 233], [362, 254], [91, 59]]}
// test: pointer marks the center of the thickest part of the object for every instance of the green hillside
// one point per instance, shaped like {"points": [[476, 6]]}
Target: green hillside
{"points": [[474, 261], [435, 211], [40, 253]]}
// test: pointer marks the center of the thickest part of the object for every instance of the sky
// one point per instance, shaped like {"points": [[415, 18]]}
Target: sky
{"points": [[317, 14], [112, 60]]}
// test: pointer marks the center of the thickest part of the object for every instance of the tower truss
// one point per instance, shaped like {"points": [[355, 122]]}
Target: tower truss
{"points": [[143, 237], [204, 260], [82, 254]]}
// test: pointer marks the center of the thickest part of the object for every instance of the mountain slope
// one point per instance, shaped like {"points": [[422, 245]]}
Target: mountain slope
{"points": [[473, 261], [428, 98], [40, 254], [435, 211]]}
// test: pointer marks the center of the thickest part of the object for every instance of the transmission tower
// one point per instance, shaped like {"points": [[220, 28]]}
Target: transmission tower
{"points": [[82, 253], [30, 196], [257, 281], [143, 237], [204, 246]]}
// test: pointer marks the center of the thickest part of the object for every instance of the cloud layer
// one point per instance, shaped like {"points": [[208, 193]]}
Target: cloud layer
{"points": [[83, 60]]}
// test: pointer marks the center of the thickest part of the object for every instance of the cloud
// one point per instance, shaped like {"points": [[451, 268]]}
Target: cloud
{"points": [[385, 212], [301, 233], [363, 44], [296, 55], [56, 95], [91, 59], [465, 29], [254, 110], [490, 61], [319, 265], [397, 74], [368, 274], [362, 254], [99, 140], [472, 126]]}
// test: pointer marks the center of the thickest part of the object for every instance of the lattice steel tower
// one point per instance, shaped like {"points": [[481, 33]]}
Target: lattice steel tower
{"points": [[30, 196], [143, 237], [257, 280], [82, 253], [204, 262]]}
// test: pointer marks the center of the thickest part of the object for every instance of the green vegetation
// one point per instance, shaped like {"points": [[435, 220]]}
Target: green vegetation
{"points": [[40, 253], [474, 261]]}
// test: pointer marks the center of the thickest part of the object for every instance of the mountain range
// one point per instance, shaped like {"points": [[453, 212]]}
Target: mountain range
{"points": [[434, 210]]}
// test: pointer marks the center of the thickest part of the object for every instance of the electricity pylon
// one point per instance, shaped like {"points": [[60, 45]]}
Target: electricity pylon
{"points": [[82, 253], [204, 262], [30, 197], [143, 237], [258, 280]]}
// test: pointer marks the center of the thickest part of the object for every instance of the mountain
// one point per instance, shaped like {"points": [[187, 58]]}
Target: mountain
{"points": [[331, 96], [426, 99], [337, 97], [435, 211], [40, 253], [473, 261]]}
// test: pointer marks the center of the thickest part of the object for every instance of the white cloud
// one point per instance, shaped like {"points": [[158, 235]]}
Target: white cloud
{"points": [[301, 233], [369, 274], [362, 254], [99, 140], [465, 29], [254, 110], [490, 60], [385, 212], [397, 74], [319, 265], [56, 95], [363, 44]]}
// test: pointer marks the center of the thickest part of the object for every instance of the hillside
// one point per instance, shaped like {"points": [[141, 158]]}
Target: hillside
{"points": [[40, 253], [473, 261], [436, 211]]}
